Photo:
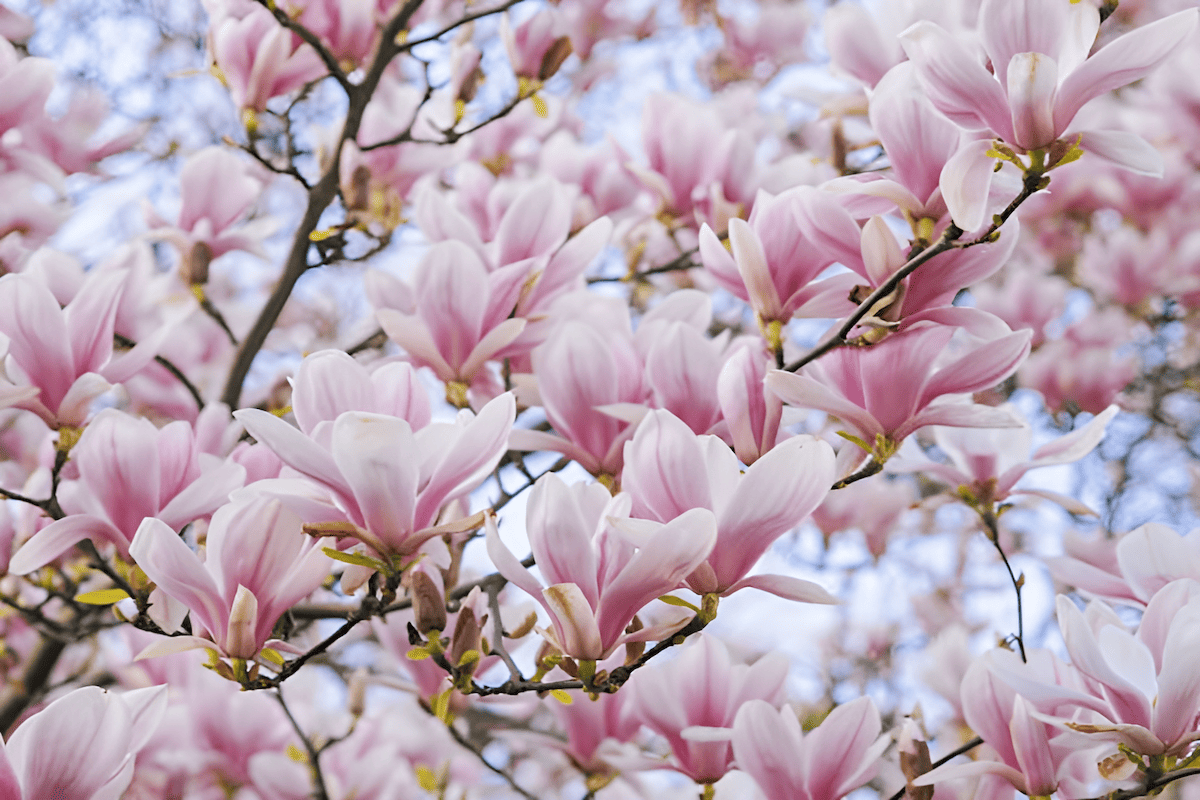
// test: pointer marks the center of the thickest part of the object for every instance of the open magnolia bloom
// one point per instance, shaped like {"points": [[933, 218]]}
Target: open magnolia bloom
{"points": [[387, 480], [258, 564], [601, 567], [986, 464], [1042, 73], [670, 471], [884, 392], [80, 747]]}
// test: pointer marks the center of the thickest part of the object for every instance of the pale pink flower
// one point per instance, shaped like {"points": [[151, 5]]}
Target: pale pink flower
{"points": [[217, 190], [80, 747], [884, 392], [775, 257], [67, 353], [1041, 76], [463, 313], [827, 763], [535, 49], [1027, 753], [1147, 682], [258, 564], [329, 383], [1131, 569], [129, 471], [260, 59], [669, 470], [386, 479], [349, 28], [688, 697], [600, 567], [987, 463]]}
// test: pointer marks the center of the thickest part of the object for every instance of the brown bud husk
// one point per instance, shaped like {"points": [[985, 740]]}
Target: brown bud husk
{"points": [[555, 55], [429, 607]]}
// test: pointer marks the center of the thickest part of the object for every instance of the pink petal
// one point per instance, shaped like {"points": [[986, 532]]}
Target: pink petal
{"points": [[957, 83], [172, 565], [1032, 83], [1123, 61], [369, 452], [787, 587], [328, 383], [1127, 150], [60, 536], [756, 273], [804, 392], [965, 182], [574, 621], [838, 752], [561, 521]]}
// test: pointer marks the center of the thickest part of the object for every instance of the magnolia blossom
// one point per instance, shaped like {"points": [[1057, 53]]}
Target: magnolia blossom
{"points": [[827, 763], [80, 747], [130, 470], [1041, 76], [702, 690], [601, 567], [669, 471], [888, 390], [987, 464], [258, 564], [67, 353]]}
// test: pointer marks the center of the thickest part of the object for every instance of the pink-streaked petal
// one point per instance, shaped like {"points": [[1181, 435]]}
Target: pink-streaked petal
{"points": [[787, 587], [493, 342], [1154, 555], [982, 368], [172, 565], [1129, 703], [528, 441], [33, 321], [955, 414], [369, 451], [509, 565], [1066, 501], [1032, 83], [413, 335], [827, 227], [172, 645], [1127, 150], [204, 495], [536, 223], [1122, 61], [656, 568], [950, 772], [664, 469], [777, 492], [957, 83], [561, 520], [755, 272], [881, 252], [1178, 700], [327, 384], [60, 536], [768, 745], [1032, 748], [294, 448], [719, 262], [574, 620], [471, 457], [1077, 444], [965, 181], [90, 316], [838, 751], [802, 391]]}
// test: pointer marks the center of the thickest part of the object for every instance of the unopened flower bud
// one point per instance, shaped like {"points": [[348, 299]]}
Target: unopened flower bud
{"points": [[429, 607]]}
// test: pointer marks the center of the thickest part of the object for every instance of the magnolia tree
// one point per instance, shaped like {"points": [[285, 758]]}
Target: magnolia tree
{"points": [[599, 399]]}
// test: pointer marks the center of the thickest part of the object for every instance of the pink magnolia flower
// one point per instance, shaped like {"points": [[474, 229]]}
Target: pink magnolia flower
{"points": [[217, 191], [669, 471], [1041, 76], [1133, 568], [775, 258], [129, 471], [701, 690], [830, 761], [600, 567], [1147, 681], [80, 747], [463, 315], [535, 50], [1029, 752], [389, 481], [884, 392], [329, 383], [349, 28], [258, 564], [988, 463], [67, 353], [259, 59]]}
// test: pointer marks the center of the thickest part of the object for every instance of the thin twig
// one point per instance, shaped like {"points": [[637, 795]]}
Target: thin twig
{"points": [[310, 38], [993, 532], [466, 743], [175, 371], [493, 588], [314, 755]]}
